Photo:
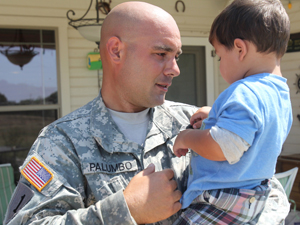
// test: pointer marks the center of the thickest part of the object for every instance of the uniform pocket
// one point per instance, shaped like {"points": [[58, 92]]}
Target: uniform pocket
{"points": [[104, 182], [108, 174], [105, 187], [112, 186], [51, 189]]}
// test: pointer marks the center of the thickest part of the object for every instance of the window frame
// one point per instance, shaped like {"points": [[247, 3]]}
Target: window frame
{"points": [[20, 108], [60, 27]]}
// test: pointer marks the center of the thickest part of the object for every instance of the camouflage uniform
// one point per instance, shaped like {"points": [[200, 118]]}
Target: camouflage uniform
{"points": [[92, 162]]}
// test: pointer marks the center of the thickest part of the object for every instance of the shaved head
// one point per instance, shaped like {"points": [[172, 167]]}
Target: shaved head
{"points": [[130, 20], [139, 46]]}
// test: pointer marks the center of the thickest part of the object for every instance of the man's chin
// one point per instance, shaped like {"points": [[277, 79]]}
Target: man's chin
{"points": [[154, 100], [158, 102]]}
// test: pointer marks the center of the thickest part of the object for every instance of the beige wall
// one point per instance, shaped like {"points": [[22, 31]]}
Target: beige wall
{"points": [[290, 67], [79, 85]]}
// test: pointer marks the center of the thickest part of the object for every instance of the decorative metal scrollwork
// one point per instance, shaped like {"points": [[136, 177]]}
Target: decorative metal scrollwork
{"points": [[101, 6], [176, 5]]}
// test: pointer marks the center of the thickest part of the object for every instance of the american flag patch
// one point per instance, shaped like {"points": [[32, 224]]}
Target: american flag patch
{"points": [[37, 174]]}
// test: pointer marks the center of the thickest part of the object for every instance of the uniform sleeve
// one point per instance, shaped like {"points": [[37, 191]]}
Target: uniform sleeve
{"points": [[63, 200]]}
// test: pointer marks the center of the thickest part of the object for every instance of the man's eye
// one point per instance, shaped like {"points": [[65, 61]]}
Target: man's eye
{"points": [[161, 54], [177, 58]]}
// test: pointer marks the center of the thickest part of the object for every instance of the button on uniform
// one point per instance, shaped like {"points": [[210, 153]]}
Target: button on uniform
{"points": [[251, 200]]}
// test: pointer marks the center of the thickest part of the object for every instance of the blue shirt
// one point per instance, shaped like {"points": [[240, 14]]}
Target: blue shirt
{"points": [[258, 109]]}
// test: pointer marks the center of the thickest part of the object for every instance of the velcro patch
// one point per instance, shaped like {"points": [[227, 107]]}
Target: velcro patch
{"points": [[37, 174], [21, 197]]}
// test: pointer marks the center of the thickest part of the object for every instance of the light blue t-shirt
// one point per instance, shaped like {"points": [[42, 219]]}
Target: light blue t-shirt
{"points": [[258, 109]]}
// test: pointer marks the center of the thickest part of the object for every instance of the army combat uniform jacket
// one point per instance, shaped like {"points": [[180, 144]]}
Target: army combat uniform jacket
{"points": [[78, 167]]}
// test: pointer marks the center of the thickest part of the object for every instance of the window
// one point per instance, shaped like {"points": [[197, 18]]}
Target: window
{"points": [[29, 98]]}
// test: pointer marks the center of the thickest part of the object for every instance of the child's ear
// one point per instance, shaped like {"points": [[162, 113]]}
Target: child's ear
{"points": [[114, 47], [241, 47]]}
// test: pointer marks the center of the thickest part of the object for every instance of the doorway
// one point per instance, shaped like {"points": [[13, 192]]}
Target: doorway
{"points": [[190, 86]]}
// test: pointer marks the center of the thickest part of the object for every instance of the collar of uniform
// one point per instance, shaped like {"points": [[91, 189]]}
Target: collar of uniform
{"points": [[106, 132], [162, 120], [165, 126]]}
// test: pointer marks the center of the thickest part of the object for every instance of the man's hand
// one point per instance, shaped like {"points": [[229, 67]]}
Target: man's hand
{"points": [[199, 116], [152, 196]]}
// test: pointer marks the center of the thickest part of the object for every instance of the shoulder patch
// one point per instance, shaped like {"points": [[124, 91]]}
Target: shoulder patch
{"points": [[37, 174]]}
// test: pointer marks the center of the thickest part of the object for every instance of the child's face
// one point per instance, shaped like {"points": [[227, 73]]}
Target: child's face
{"points": [[230, 66]]}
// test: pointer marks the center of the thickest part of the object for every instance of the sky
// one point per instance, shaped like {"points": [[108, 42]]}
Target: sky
{"points": [[38, 77]]}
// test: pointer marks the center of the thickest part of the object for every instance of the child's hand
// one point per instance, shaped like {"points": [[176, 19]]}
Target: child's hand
{"points": [[178, 148], [181, 152], [199, 116]]}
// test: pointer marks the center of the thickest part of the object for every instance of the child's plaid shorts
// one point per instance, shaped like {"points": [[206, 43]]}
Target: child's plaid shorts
{"points": [[227, 206]]}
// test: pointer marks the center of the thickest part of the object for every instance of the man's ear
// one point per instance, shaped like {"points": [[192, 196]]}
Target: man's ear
{"points": [[114, 47], [241, 47]]}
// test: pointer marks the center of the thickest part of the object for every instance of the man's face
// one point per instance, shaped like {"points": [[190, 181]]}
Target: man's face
{"points": [[149, 67]]}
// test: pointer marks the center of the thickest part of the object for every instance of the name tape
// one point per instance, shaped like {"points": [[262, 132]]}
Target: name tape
{"points": [[104, 167]]}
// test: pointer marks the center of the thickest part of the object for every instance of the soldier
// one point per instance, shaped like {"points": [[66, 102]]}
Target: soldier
{"points": [[111, 161]]}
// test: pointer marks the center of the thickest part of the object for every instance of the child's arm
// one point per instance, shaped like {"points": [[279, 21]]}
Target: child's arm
{"points": [[201, 142]]}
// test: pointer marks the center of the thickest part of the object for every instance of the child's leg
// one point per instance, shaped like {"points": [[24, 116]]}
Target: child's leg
{"points": [[226, 206]]}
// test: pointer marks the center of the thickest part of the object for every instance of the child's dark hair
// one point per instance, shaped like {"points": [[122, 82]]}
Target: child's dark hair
{"points": [[264, 23]]}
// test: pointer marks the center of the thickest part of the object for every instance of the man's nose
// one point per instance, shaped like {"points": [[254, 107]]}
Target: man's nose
{"points": [[172, 68]]}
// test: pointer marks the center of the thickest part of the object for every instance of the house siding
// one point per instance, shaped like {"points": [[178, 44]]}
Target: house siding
{"points": [[290, 66]]}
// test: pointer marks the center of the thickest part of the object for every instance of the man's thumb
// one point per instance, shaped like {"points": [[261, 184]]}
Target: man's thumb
{"points": [[150, 169]]}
